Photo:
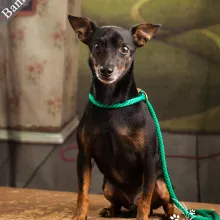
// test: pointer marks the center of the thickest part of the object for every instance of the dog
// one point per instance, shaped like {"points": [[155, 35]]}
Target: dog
{"points": [[122, 141]]}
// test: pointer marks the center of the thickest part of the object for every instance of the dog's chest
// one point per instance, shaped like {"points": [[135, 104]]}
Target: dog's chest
{"points": [[117, 133], [117, 154], [118, 137], [117, 145]]}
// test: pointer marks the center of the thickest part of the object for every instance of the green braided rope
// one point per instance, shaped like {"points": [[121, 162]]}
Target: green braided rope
{"points": [[200, 214], [139, 98]]}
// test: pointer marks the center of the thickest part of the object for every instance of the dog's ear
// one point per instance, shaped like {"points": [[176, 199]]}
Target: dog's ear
{"points": [[144, 32], [83, 27]]}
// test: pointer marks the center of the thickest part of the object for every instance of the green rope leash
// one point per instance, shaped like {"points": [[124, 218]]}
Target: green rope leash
{"points": [[200, 214], [141, 97]]}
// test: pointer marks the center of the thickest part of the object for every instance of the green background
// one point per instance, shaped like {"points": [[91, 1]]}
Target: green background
{"points": [[180, 67]]}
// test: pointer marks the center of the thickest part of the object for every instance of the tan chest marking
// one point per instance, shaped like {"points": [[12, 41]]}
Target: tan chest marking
{"points": [[137, 137]]}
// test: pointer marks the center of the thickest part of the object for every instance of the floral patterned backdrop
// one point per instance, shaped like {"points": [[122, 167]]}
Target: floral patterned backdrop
{"points": [[42, 72]]}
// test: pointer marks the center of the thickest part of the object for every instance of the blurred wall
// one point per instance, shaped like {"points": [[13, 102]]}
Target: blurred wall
{"points": [[179, 68]]}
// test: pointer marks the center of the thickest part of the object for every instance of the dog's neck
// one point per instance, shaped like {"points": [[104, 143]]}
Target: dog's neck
{"points": [[119, 91]]}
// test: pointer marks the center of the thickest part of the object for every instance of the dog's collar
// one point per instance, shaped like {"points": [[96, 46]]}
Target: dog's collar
{"points": [[142, 96]]}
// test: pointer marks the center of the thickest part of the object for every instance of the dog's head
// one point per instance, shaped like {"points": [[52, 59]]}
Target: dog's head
{"points": [[111, 48]]}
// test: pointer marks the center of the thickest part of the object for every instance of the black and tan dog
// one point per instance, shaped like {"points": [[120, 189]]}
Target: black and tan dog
{"points": [[122, 141]]}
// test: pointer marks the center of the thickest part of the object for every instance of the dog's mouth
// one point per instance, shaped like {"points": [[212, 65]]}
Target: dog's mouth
{"points": [[106, 80]]}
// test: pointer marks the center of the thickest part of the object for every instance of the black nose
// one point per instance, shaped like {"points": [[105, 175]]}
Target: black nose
{"points": [[106, 71]]}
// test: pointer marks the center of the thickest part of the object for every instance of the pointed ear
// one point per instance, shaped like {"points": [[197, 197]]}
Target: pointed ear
{"points": [[83, 27], [144, 32]]}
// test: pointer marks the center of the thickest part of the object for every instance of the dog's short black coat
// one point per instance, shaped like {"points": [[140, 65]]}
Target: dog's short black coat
{"points": [[122, 141]]}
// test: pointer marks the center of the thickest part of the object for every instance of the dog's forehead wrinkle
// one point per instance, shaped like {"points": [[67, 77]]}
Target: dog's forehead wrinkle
{"points": [[115, 33]]}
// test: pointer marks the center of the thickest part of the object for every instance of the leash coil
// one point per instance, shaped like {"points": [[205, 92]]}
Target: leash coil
{"points": [[199, 214]]}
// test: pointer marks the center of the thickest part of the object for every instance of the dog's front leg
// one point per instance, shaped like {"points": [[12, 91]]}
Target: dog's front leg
{"points": [[148, 185], [84, 168]]}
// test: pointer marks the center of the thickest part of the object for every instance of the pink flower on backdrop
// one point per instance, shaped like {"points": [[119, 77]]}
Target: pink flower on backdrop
{"points": [[58, 35], [17, 36], [31, 68], [50, 102], [54, 105], [35, 69]]}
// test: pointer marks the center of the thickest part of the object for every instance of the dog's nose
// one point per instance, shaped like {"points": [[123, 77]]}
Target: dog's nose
{"points": [[106, 71]]}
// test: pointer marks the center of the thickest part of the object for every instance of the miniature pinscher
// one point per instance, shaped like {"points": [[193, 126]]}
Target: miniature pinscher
{"points": [[121, 141]]}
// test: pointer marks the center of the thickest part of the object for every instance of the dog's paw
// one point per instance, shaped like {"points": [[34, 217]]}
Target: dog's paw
{"points": [[107, 213], [174, 217], [192, 211]]}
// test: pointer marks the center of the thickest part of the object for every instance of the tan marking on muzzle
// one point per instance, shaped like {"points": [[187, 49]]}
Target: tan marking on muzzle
{"points": [[93, 60]]}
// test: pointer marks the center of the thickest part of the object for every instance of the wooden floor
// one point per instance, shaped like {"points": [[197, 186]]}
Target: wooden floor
{"points": [[27, 204]]}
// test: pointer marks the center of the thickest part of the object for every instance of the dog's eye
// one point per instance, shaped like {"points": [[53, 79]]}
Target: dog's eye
{"points": [[97, 47], [124, 50]]}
